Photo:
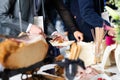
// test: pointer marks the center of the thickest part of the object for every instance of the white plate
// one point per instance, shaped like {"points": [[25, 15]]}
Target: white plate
{"points": [[103, 76], [65, 43]]}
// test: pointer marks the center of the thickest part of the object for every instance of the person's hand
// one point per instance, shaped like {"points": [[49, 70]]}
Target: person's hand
{"points": [[36, 30], [59, 36], [111, 31], [78, 35]]}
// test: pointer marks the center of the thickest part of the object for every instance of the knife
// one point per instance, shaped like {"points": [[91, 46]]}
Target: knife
{"points": [[10, 36]]}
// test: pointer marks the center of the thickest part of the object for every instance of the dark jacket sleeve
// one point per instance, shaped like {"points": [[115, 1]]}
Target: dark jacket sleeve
{"points": [[65, 15], [88, 13], [7, 19]]}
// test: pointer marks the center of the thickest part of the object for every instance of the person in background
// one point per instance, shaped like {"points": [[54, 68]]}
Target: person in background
{"points": [[87, 14], [10, 23], [9, 17]]}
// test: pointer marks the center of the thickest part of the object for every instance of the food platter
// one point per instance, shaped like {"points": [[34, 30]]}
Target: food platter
{"points": [[64, 43]]}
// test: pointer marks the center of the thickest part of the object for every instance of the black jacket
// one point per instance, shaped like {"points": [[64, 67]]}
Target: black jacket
{"points": [[11, 20], [87, 15]]}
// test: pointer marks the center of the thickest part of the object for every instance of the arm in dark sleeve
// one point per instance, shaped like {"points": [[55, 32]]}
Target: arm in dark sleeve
{"points": [[65, 15], [7, 19], [88, 13]]}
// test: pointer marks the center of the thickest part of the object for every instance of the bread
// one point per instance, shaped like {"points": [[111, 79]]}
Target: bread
{"points": [[74, 51], [23, 53], [78, 52], [87, 52]]}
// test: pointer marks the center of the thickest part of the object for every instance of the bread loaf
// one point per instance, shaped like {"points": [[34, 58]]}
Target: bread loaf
{"points": [[87, 52]]}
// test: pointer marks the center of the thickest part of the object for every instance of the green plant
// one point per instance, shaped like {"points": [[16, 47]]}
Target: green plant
{"points": [[117, 23], [114, 14], [117, 36]]}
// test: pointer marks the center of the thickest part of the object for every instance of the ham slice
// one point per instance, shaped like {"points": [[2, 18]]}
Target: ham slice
{"points": [[86, 74]]}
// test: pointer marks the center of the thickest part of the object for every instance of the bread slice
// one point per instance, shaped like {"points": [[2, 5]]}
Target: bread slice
{"points": [[74, 51]]}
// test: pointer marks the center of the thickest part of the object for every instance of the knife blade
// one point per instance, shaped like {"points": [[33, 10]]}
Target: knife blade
{"points": [[10, 36]]}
